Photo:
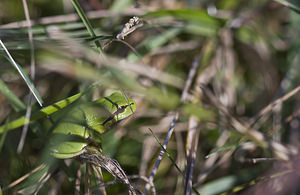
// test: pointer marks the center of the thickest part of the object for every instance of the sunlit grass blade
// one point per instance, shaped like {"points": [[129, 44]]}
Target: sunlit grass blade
{"points": [[24, 76], [15, 102]]}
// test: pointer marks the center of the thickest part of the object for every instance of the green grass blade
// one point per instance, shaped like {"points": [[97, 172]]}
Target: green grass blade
{"points": [[15, 102], [24, 76], [87, 24]]}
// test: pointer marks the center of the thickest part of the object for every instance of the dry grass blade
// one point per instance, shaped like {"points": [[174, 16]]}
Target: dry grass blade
{"points": [[72, 18], [270, 106], [280, 151], [108, 61], [24, 177], [32, 76]]}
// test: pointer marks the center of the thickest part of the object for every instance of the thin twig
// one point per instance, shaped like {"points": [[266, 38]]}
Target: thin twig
{"points": [[270, 106], [32, 76]]}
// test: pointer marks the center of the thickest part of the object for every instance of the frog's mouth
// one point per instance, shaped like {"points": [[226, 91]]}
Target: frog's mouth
{"points": [[120, 110]]}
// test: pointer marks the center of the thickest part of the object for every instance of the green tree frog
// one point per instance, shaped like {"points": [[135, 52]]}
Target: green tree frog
{"points": [[79, 127]]}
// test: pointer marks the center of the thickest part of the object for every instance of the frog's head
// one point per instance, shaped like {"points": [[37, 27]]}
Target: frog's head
{"points": [[118, 106]]}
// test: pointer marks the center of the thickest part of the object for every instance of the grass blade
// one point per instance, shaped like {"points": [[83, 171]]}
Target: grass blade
{"points": [[24, 76], [87, 24]]}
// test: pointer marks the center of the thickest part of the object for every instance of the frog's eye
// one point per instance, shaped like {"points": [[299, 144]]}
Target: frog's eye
{"points": [[120, 110]]}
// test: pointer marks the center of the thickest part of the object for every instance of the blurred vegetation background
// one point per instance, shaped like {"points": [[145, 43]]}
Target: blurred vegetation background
{"points": [[211, 67]]}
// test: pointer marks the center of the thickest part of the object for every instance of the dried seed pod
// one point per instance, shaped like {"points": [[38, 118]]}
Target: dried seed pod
{"points": [[129, 27]]}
